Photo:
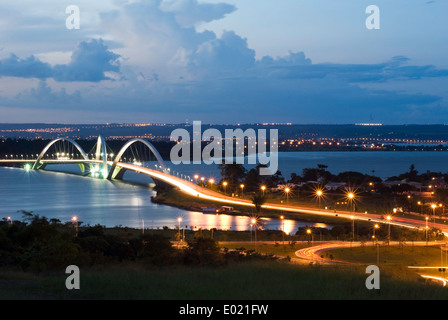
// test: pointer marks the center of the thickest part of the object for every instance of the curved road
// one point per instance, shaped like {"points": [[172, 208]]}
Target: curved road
{"points": [[313, 253]]}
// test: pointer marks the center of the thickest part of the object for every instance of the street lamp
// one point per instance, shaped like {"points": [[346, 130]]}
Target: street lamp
{"points": [[433, 206], [287, 190], [308, 231], [319, 194], [351, 197], [10, 219], [254, 223], [75, 220], [283, 228], [388, 235], [202, 181], [263, 188], [224, 184], [242, 190], [212, 181], [376, 226]]}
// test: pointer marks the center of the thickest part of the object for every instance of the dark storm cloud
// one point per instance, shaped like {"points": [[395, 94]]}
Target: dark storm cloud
{"points": [[89, 62]]}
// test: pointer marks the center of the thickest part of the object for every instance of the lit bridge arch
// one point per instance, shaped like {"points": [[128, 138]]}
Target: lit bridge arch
{"points": [[117, 172], [39, 165], [99, 164]]}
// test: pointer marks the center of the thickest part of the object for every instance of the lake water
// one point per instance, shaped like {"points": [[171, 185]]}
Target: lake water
{"points": [[95, 201], [378, 163]]}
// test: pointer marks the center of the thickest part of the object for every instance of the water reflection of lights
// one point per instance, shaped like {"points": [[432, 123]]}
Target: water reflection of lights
{"points": [[288, 226], [197, 220]]}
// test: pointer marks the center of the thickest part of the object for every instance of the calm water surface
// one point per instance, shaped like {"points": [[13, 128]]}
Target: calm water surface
{"points": [[95, 201]]}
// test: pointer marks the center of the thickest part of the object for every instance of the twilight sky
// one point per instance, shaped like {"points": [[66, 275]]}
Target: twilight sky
{"points": [[235, 61]]}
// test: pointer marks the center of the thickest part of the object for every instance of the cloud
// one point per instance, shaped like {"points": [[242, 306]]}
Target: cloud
{"points": [[89, 62], [30, 67], [44, 93], [165, 68], [190, 12], [394, 69], [229, 54]]}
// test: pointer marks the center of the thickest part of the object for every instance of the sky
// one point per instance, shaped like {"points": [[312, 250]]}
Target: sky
{"points": [[224, 62]]}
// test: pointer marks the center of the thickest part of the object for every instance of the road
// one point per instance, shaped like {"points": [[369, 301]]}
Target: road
{"points": [[313, 253]]}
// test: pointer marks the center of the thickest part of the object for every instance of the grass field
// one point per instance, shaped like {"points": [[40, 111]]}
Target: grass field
{"points": [[253, 281], [407, 255]]}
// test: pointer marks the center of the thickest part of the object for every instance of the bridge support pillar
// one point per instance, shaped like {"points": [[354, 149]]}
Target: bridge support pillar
{"points": [[162, 185]]}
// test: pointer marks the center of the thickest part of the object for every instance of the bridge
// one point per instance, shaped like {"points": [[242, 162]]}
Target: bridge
{"points": [[103, 164]]}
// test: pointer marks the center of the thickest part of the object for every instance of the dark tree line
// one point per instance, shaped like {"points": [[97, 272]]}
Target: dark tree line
{"points": [[39, 244]]}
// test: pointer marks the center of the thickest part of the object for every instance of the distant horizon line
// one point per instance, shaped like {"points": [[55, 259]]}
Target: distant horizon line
{"points": [[223, 124]]}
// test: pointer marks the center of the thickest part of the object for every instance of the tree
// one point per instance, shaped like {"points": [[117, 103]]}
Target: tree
{"points": [[275, 179], [202, 251], [253, 180], [258, 199], [413, 174], [157, 249], [233, 174]]}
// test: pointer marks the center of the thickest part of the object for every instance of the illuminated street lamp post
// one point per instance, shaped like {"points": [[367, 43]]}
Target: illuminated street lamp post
{"points": [[224, 184], [212, 181], [263, 188], [351, 198], [283, 229], [319, 194], [419, 203], [254, 223], [287, 190], [202, 181], [10, 220], [376, 226], [75, 220], [388, 234], [242, 190], [433, 206], [310, 232]]}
